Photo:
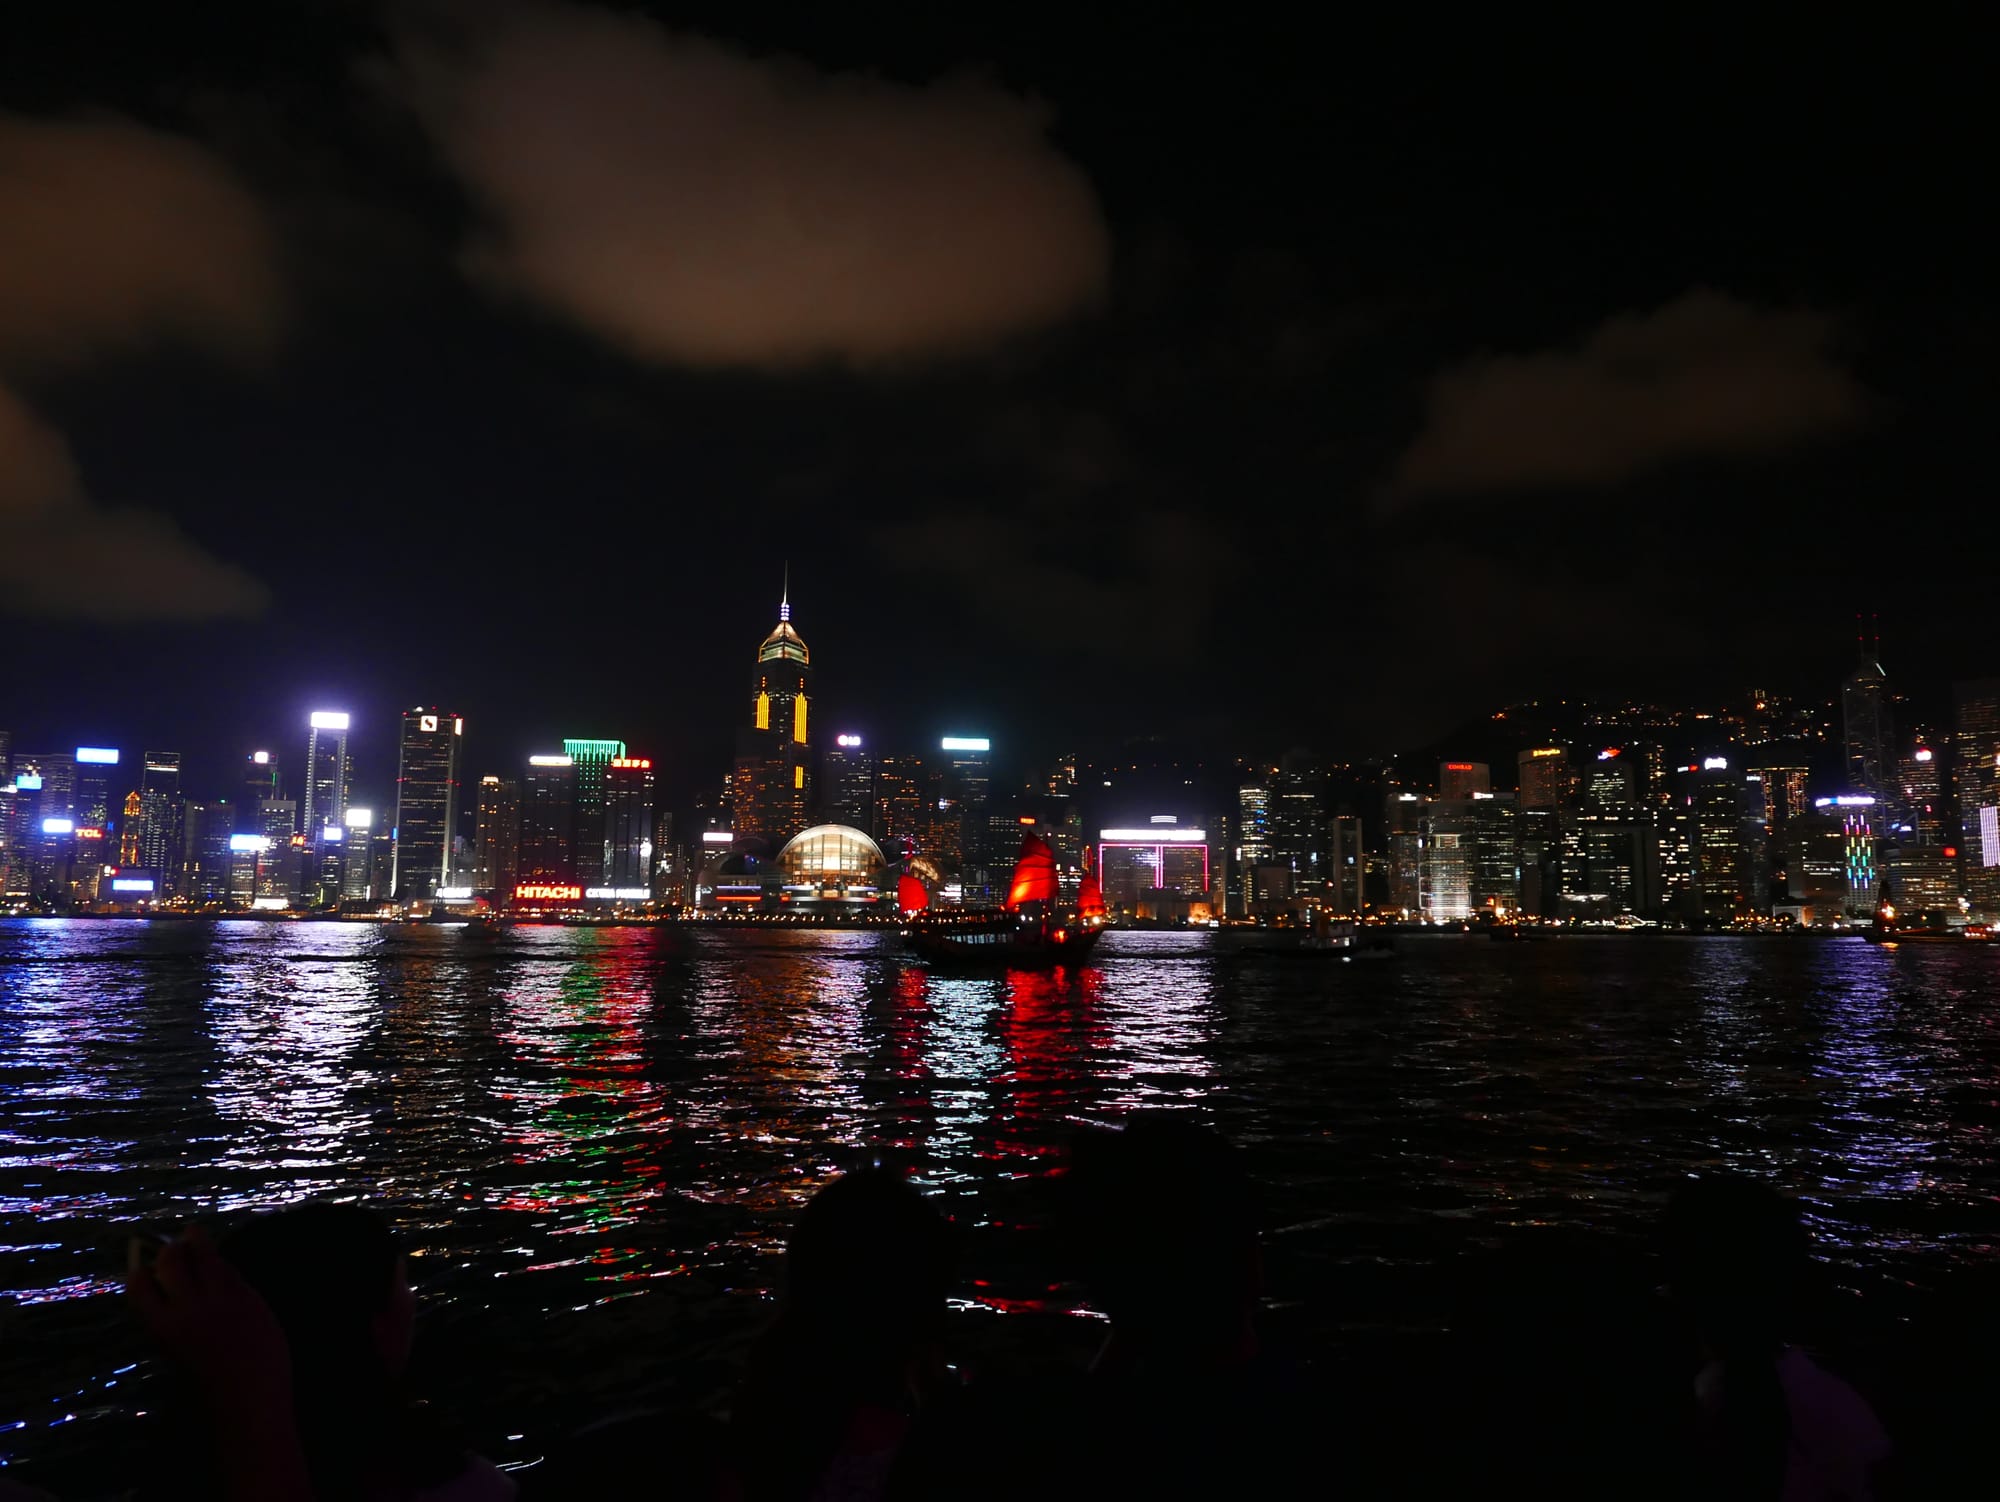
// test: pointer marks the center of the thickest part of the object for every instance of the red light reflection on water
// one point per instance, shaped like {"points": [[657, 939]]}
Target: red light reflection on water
{"points": [[582, 1103], [1051, 1026]]}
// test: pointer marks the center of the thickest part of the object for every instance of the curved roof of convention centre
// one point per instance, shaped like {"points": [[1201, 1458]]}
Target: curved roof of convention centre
{"points": [[830, 850]]}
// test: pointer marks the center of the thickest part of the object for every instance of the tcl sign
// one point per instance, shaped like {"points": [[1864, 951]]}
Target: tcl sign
{"points": [[535, 891]]}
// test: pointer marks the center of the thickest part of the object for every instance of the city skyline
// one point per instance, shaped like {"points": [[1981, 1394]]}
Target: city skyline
{"points": [[1492, 372], [1812, 810]]}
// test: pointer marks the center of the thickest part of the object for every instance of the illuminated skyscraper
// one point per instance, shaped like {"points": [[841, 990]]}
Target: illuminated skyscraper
{"points": [[848, 783], [1253, 815], [548, 821], [1860, 850], [963, 775], [57, 770], [327, 771], [208, 836], [1162, 855], [1348, 875], [1864, 713], [627, 824], [1920, 781], [94, 766], [1717, 801], [1922, 878], [324, 876], [357, 872], [1544, 776], [426, 803], [768, 792], [279, 863], [260, 786], [589, 760], [1978, 777], [1062, 821], [159, 809], [943, 834], [497, 842], [1298, 820], [1461, 779], [899, 805], [131, 827], [784, 677], [1494, 874]]}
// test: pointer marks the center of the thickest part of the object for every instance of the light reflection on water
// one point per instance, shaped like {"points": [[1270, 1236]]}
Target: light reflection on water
{"points": [[566, 1118]]}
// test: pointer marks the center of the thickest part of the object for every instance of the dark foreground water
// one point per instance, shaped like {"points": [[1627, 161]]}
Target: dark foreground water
{"points": [[595, 1139]]}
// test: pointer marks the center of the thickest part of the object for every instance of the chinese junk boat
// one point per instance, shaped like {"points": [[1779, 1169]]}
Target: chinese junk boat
{"points": [[1032, 928]]}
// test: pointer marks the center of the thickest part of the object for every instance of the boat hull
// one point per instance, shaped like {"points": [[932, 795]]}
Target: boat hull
{"points": [[999, 946]]}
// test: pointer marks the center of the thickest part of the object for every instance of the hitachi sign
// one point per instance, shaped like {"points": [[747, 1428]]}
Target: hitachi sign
{"points": [[536, 891]]}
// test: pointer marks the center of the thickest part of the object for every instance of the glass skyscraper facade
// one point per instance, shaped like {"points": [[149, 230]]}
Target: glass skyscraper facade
{"points": [[900, 823], [1866, 728], [590, 761], [627, 824], [548, 821], [159, 811], [327, 771], [497, 838], [848, 783], [426, 802]]}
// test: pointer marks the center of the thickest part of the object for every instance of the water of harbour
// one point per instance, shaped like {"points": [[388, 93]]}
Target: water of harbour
{"points": [[594, 1139]]}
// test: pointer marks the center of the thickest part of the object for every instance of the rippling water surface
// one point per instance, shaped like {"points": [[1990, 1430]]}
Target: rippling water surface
{"points": [[567, 1119]]}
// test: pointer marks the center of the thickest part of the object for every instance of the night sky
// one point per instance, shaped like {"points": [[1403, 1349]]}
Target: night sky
{"points": [[1153, 373]]}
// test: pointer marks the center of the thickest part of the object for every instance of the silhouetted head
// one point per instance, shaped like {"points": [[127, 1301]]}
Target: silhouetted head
{"points": [[333, 1276], [335, 1279], [1168, 1226], [1736, 1258], [866, 1272]]}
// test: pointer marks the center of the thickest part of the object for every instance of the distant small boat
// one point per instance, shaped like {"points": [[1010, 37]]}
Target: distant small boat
{"points": [[1516, 933], [1891, 927], [1340, 939]]}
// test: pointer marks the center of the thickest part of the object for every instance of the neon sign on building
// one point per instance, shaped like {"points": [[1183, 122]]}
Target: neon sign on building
{"points": [[541, 891]]}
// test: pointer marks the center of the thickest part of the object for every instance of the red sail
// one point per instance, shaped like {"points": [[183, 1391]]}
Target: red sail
{"points": [[1035, 875], [910, 894], [1090, 899]]}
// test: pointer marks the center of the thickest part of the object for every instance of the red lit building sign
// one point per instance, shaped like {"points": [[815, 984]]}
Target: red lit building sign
{"points": [[637, 763], [539, 891]]}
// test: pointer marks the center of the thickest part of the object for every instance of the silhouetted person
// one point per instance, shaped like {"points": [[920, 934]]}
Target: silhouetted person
{"points": [[295, 1335], [1166, 1222], [1182, 1399], [1770, 1422], [838, 1381]]}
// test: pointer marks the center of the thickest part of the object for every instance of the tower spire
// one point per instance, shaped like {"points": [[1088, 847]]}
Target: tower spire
{"points": [[785, 599]]}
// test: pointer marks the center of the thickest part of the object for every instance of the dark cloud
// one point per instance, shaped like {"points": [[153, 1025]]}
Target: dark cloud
{"points": [[66, 558], [696, 205], [1703, 375], [113, 237]]}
